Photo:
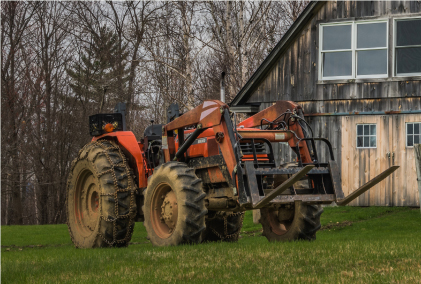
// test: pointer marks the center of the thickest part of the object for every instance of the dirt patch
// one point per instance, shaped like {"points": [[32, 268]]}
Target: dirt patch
{"points": [[139, 243], [337, 225], [13, 247], [251, 233]]}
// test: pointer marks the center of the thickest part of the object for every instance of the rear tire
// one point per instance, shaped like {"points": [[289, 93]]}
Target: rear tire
{"points": [[299, 223], [223, 226], [100, 204], [174, 206]]}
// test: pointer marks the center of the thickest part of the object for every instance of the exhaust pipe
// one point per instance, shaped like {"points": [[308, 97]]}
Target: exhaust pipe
{"points": [[223, 87]]}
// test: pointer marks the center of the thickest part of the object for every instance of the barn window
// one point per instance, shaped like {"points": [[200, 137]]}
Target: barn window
{"points": [[371, 51], [413, 133], [408, 47], [353, 50], [366, 136], [337, 51]]}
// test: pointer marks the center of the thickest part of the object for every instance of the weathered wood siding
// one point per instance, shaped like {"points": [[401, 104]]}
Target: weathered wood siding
{"points": [[294, 76]]}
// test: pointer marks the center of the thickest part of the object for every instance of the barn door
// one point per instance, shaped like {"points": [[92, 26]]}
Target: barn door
{"points": [[404, 191], [365, 154]]}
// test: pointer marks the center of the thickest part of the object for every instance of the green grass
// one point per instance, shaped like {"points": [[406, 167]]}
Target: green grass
{"points": [[355, 245]]}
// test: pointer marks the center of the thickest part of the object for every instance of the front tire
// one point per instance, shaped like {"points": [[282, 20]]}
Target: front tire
{"points": [[174, 206], [298, 223], [100, 203]]}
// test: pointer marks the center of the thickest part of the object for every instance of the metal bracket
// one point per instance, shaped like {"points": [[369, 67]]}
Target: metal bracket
{"points": [[281, 188]]}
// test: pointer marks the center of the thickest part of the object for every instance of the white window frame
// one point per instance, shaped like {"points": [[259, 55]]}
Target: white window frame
{"points": [[321, 51], [394, 65], [356, 136], [353, 50], [406, 133]]}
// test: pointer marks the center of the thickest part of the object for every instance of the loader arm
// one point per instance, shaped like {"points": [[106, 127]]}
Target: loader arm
{"points": [[284, 110], [211, 114]]}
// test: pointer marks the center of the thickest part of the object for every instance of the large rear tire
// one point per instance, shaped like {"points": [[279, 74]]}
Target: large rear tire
{"points": [[223, 226], [301, 222], [100, 204], [174, 206]]}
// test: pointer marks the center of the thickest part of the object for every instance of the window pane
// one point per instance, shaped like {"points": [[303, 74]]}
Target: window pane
{"points": [[372, 130], [366, 129], [359, 141], [359, 130], [416, 139], [408, 60], [372, 62], [416, 128], [410, 128], [366, 142], [410, 141], [372, 141], [408, 32], [337, 64], [337, 37], [371, 35]]}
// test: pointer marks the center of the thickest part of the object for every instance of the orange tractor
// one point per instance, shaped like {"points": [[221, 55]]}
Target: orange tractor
{"points": [[192, 179]]}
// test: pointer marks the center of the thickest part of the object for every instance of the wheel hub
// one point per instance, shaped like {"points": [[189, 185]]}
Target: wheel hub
{"points": [[164, 211], [94, 202], [86, 202], [169, 210]]}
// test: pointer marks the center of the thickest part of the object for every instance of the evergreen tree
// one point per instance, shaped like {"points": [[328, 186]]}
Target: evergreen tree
{"points": [[100, 77]]}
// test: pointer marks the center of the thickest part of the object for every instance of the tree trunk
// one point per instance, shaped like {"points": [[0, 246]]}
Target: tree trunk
{"points": [[243, 60], [230, 55]]}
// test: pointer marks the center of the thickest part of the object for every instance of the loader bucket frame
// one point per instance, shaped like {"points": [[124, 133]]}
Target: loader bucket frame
{"points": [[325, 174]]}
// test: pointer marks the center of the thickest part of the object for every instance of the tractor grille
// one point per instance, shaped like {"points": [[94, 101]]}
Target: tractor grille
{"points": [[247, 148], [258, 150]]}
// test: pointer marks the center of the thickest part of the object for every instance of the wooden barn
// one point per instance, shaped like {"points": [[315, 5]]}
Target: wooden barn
{"points": [[355, 67]]}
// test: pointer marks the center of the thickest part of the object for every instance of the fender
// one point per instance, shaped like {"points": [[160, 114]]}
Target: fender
{"points": [[128, 142]]}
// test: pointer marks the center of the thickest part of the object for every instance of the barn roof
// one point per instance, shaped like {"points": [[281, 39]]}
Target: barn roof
{"points": [[239, 100]]}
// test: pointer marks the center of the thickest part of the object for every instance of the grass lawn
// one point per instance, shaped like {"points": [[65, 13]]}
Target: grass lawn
{"points": [[355, 245]]}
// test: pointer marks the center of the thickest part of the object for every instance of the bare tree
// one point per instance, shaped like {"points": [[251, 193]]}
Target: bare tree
{"points": [[149, 54], [15, 19]]}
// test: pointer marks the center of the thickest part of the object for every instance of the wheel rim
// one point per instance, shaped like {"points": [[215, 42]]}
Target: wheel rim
{"points": [[86, 202], [164, 211], [278, 227]]}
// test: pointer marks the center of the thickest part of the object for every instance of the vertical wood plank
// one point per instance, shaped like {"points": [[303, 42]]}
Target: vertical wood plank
{"points": [[282, 79], [400, 153], [334, 8], [352, 157], [417, 149], [314, 41], [383, 141], [374, 192], [339, 9], [359, 6], [361, 177]]}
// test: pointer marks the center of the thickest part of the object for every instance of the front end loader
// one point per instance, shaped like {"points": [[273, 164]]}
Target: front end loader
{"points": [[192, 179]]}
